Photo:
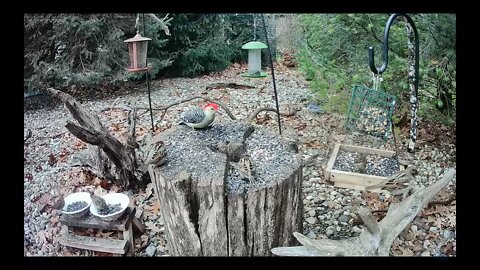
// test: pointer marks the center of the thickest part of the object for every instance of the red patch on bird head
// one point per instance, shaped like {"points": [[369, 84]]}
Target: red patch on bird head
{"points": [[213, 105]]}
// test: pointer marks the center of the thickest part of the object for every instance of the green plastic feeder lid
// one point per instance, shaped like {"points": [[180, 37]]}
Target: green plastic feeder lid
{"points": [[254, 45]]}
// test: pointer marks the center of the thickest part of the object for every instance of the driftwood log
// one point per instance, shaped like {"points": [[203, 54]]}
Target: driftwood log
{"points": [[378, 238], [208, 210], [108, 157]]}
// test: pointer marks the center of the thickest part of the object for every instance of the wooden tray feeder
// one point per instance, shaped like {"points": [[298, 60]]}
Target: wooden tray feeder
{"points": [[354, 180], [124, 227]]}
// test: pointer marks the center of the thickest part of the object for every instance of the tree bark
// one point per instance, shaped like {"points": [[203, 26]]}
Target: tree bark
{"points": [[203, 217]]}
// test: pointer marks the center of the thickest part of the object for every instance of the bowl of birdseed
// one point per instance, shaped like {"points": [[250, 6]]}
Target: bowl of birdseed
{"points": [[117, 204], [76, 204]]}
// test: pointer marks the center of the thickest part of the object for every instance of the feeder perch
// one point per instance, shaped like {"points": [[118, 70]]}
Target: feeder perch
{"points": [[137, 49], [254, 59]]}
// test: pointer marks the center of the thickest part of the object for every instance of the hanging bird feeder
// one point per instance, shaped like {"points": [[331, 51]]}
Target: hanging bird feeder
{"points": [[254, 59], [137, 49]]}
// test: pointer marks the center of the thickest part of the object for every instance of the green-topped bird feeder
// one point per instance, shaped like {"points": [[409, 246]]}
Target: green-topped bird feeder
{"points": [[254, 59]]}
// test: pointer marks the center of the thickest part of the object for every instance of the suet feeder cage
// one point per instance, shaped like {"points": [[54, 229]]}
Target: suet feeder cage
{"points": [[137, 49], [254, 59]]}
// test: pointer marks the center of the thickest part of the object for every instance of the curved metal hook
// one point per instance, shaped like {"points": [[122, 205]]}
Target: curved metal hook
{"points": [[386, 33], [414, 93]]}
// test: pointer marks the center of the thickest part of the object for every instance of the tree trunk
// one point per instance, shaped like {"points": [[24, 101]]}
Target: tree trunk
{"points": [[209, 210]]}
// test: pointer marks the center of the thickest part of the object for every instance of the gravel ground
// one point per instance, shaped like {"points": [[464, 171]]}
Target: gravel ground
{"points": [[327, 209]]}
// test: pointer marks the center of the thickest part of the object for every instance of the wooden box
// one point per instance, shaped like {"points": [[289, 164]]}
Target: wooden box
{"points": [[350, 179]]}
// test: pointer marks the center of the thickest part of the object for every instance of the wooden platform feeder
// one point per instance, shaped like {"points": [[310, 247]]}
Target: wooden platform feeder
{"points": [[124, 226], [350, 179]]}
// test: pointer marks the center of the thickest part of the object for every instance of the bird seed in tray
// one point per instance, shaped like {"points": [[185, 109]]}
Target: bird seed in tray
{"points": [[76, 206]]}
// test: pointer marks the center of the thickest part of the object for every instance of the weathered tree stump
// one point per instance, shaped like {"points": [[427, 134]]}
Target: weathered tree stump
{"points": [[208, 210]]}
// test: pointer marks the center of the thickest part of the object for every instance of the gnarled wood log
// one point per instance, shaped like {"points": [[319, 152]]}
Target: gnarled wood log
{"points": [[378, 238], [209, 210], [111, 159]]}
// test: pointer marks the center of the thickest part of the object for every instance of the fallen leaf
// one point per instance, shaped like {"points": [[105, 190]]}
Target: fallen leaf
{"points": [[103, 234], [155, 208], [79, 144], [315, 144], [406, 251], [115, 188], [54, 220], [51, 159]]}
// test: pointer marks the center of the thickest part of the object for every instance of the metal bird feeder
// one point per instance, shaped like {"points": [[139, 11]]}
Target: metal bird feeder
{"points": [[383, 103], [254, 59], [137, 49]]}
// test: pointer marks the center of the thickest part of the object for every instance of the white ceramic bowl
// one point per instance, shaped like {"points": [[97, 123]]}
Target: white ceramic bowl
{"points": [[112, 198], [75, 197]]}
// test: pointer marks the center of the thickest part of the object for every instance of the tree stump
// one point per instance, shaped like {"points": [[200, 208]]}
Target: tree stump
{"points": [[209, 210]]}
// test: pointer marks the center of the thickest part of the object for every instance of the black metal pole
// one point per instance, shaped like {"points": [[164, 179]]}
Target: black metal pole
{"points": [[414, 94], [273, 75], [148, 80]]}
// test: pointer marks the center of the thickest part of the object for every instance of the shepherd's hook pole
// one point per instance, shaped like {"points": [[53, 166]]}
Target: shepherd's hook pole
{"points": [[414, 93], [273, 74], [148, 80]]}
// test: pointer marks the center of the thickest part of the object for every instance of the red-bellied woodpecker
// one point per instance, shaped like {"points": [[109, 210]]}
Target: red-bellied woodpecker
{"points": [[198, 117]]}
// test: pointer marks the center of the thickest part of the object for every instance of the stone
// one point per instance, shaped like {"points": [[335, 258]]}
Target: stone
{"points": [[344, 218], [150, 250], [312, 213], [311, 235], [311, 220], [357, 229]]}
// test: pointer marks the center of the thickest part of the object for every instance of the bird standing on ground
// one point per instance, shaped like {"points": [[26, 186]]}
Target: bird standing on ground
{"points": [[198, 117], [399, 183], [246, 168]]}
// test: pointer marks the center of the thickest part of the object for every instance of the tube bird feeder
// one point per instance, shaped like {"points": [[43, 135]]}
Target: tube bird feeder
{"points": [[254, 59]]}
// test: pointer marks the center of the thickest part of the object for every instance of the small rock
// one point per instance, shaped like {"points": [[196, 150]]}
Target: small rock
{"points": [[338, 228], [426, 253], [357, 229], [329, 232], [312, 213], [344, 218], [311, 220], [447, 234], [309, 197], [433, 229], [311, 235], [334, 193], [150, 250]]}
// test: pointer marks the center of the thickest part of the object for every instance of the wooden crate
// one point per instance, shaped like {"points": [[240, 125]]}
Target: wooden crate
{"points": [[350, 179]]}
